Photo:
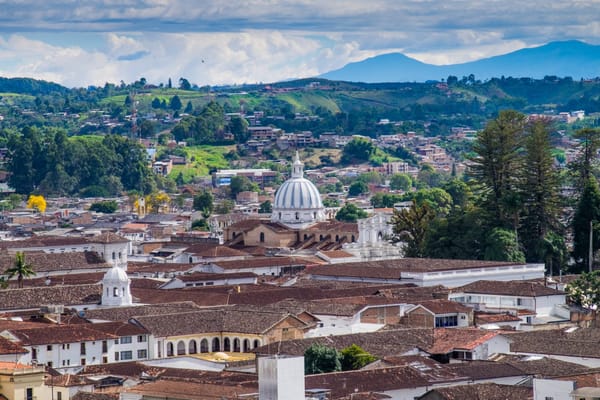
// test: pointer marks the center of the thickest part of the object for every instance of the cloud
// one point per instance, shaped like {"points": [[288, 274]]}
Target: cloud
{"points": [[79, 43]]}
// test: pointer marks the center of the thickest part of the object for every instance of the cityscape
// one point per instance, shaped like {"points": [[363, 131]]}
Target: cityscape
{"points": [[233, 201]]}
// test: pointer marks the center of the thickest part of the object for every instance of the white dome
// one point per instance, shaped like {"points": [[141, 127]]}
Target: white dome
{"points": [[115, 274], [298, 193], [297, 201]]}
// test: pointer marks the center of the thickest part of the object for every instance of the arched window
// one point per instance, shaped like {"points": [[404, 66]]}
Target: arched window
{"points": [[337, 238], [192, 347], [297, 215], [320, 237], [353, 239], [246, 345], [216, 344], [180, 348], [262, 237], [379, 236], [114, 256], [315, 215], [116, 292], [256, 343], [170, 349], [191, 260], [236, 345], [226, 344], [204, 346]]}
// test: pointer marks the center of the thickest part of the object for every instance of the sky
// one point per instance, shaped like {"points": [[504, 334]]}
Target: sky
{"points": [[79, 43]]}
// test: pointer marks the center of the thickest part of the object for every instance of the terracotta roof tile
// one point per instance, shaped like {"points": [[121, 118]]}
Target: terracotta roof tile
{"points": [[28, 298], [448, 339], [510, 288], [488, 391]]}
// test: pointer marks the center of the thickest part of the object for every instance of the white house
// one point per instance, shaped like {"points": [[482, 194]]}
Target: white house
{"points": [[536, 303]]}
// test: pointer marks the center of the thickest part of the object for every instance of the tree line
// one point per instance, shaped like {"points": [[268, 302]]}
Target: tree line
{"points": [[46, 161], [515, 203]]}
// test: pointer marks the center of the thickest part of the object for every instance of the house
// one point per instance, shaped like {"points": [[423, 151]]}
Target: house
{"points": [[214, 330], [466, 344], [426, 272], [60, 346], [488, 391], [112, 248], [438, 314], [534, 303], [19, 381], [575, 345], [207, 279]]}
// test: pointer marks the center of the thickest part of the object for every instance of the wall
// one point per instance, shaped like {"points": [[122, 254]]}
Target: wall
{"points": [[550, 389]]}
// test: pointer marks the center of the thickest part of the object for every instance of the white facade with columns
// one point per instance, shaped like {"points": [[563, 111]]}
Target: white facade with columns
{"points": [[373, 242]]}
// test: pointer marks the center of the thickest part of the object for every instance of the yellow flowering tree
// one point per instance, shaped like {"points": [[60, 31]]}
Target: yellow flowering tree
{"points": [[37, 202]]}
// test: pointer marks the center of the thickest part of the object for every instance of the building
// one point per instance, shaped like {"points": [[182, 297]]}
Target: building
{"points": [[22, 382], [298, 201]]}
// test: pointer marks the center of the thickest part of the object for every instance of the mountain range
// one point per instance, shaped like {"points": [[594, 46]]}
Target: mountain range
{"points": [[566, 58]]}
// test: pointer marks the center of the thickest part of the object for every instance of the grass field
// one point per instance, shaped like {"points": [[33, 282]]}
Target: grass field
{"points": [[201, 159]]}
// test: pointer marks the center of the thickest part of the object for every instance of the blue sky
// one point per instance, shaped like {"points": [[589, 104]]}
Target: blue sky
{"points": [[80, 43]]}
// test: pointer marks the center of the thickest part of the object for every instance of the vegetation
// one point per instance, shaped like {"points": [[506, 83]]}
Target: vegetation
{"points": [[21, 269], [354, 357], [350, 213], [319, 359], [106, 207], [585, 290]]}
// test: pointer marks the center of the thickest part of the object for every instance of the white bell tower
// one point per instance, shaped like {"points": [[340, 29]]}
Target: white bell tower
{"points": [[116, 290]]}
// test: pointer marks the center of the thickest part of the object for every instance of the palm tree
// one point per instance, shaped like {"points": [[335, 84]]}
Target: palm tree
{"points": [[20, 268]]}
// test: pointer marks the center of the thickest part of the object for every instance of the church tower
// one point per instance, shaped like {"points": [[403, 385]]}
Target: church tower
{"points": [[116, 289]]}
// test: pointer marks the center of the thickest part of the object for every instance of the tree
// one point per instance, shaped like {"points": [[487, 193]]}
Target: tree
{"points": [[587, 213], [106, 207], [410, 225], [357, 188], [354, 357], [147, 128], [585, 165], [320, 359], [156, 102], [238, 126], [539, 191], [184, 84], [502, 245], [204, 202], [400, 182], [265, 207], [241, 183], [585, 290], [175, 103], [497, 156], [37, 202], [189, 108], [350, 213], [21, 269], [358, 149]]}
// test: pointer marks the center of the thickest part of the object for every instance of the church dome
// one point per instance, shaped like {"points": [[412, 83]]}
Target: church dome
{"points": [[297, 200]]}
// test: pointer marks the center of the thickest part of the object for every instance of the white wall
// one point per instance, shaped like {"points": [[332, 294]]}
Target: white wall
{"points": [[544, 389]]}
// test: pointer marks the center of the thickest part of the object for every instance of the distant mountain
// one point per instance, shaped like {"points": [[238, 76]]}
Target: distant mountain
{"points": [[30, 86], [569, 58]]}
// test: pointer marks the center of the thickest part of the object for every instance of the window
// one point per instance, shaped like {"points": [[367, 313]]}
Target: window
{"points": [[29, 394], [58, 395], [49, 364], [66, 346], [49, 347], [104, 346], [262, 237], [83, 361], [142, 353], [127, 355], [83, 348], [115, 291], [126, 339], [116, 356], [548, 398], [104, 360], [449, 320], [142, 338]]}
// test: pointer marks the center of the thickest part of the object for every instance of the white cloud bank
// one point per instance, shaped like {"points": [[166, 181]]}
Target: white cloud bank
{"points": [[214, 42]]}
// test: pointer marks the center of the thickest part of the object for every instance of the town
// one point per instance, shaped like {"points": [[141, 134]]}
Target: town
{"points": [[301, 264]]}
